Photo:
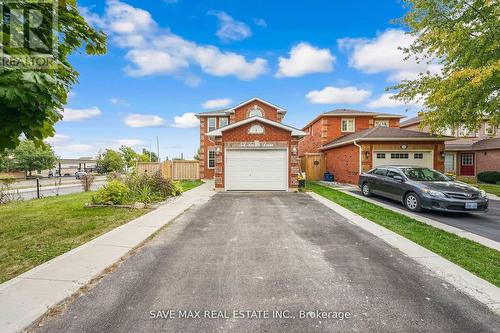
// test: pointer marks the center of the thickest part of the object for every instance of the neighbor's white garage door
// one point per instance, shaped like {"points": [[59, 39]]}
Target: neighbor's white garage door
{"points": [[249, 169], [416, 158]]}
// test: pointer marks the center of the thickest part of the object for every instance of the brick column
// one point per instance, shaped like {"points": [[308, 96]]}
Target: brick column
{"points": [[219, 163], [294, 163], [202, 147]]}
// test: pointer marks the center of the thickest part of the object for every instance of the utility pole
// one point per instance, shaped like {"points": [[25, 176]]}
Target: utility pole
{"points": [[158, 148]]}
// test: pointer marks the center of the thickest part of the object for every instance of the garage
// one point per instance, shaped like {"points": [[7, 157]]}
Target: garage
{"points": [[256, 169], [403, 157]]}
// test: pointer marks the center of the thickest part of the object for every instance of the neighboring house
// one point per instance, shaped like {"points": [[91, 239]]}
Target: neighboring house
{"points": [[471, 152], [354, 141], [246, 147], [331, 125]]}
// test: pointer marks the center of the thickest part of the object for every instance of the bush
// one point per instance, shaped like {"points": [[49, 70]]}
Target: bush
{"points": [[114, 191], [87, 182], [490, 177], [148, 188]]}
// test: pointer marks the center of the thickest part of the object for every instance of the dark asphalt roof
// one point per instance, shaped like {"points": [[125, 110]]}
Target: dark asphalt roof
{"points": [[473, 144]]}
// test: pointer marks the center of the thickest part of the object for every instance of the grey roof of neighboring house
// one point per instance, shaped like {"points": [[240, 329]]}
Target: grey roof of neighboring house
{"points": [[353, 113], [221, 112], [473, 144], [411, 121], [385, 134]]}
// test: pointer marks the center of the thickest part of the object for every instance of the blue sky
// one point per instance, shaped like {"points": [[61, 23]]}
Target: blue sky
{"points": [[169, 59]]}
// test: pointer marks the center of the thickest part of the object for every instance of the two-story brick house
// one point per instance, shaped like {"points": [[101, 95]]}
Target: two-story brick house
{"points": [[354, 141], [471, 152], [247, 147]]}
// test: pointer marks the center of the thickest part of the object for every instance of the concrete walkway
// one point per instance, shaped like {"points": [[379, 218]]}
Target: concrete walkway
{"points": [[28, 296]]}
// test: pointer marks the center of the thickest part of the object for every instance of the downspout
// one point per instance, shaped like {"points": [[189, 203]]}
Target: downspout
{"points": [[356, 144]]}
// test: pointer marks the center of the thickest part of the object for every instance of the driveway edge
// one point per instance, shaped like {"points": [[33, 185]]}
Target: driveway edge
{"points": [[28, 296], [477, 288], [459, 232]]}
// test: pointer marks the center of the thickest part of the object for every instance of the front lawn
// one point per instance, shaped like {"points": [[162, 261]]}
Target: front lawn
{"points": [[490, 188], [476, 258], [33, 232]]}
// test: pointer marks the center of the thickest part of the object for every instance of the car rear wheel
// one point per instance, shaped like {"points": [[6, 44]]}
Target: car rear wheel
{"points": [[412, 202], [366, 190]]}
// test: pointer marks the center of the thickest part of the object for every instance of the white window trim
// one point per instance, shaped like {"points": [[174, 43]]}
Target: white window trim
{"points": [[208, 123], [353, 125], [252, 130], [208, 158], [223, 118], [384, 121]]}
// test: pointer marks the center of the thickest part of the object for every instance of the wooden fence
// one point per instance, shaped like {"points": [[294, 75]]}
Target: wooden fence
{"points": [[178, 169], [313, 165]]}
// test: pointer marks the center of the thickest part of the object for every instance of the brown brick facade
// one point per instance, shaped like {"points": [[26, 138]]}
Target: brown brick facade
{"points": [[487, 160]]}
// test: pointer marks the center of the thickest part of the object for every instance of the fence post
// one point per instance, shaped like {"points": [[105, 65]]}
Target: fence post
{"points": [[38, 188]]}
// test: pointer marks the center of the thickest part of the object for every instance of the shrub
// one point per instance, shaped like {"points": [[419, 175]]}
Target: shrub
{"points": [[87, 182], [114, 191], [490, 177], [114, 176], [148, 188]]}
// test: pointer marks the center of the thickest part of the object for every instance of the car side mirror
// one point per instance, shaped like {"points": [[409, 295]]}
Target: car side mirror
{"points": [[398, 178]]}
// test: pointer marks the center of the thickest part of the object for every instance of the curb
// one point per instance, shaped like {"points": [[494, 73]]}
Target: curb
{"points": [[468, 283]]}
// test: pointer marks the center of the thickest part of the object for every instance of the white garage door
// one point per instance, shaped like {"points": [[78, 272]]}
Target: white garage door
{"points": [[415, 158], [256, 170]]}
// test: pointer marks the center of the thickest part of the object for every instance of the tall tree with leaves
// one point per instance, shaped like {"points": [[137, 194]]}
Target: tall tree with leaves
{"points": [[27, 157], [31, 99], [110, 161], [129, 155], [462, 35]]}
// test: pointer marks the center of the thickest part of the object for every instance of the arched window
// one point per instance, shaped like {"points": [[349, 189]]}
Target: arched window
{"points": [[256, 129], [255, 111]]}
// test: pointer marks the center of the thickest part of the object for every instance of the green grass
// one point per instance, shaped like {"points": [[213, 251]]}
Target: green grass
{"points": [[190, 184], [490, 188], [476, 258], [33, 232]]}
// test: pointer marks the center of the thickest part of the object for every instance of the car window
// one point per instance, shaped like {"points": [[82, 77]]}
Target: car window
{"points": [[379, 172], [424, 174], [392, 173]]}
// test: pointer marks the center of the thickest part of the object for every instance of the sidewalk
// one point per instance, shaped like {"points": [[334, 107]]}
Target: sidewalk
{"points": [[28, 296]]}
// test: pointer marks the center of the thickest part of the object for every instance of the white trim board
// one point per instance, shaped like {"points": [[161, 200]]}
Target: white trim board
{"points": [[477, 288]]}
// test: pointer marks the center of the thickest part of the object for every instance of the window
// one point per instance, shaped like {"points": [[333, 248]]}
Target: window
{"points": [[382, 123], [212, 124], [489, 130], [391, 174], [211, 158], [465, 132], [467, 159], [379, 172], [418, 156], [380, 155], [347, 125], [399, 155], [223, 121], [256, 129], [255, 111]]}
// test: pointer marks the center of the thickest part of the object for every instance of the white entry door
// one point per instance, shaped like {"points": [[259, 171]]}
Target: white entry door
{"points": [[256, 169], [403, 157]]}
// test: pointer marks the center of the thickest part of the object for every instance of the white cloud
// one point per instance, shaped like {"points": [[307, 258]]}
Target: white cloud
{"points": [[385, 101], [259, 22], [119, 101], [216, 103], [58, 139], [143, 120], [187, 120], [80, 114], [383, 54], [155, 51], [334, 95], [229, 29], [130, 142], [80, 148], [305, 59]]}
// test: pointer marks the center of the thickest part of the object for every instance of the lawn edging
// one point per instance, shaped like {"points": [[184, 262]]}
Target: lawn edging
{"points": [[48, 284], [465, 281]]}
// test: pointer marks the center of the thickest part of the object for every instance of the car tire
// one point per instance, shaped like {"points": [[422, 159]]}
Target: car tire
{"points": [[412, 202], [366, 190]]}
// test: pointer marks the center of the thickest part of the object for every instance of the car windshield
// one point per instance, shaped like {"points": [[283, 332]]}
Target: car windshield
{"points": [[424, 174]]}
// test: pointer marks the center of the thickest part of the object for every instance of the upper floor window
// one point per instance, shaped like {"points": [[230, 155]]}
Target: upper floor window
{"points": [[256, 129], [223, 121], [256, 111], [347, 125], [382, 123], [212, 124], [465, 132], [489, 130]]}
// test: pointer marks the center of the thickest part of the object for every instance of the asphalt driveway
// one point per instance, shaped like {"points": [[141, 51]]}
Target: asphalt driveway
{"points": [[264, 252], [482, 224]]}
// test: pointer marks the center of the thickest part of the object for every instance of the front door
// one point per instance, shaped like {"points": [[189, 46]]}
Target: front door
{"points": [[467, 164]]}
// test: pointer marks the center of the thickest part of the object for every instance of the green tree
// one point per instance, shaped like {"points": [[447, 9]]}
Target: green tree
{"points": [[150, 156], [463, 35], [28, 157], [110, 161], [31, 100], [197, 155], [129, 155]]}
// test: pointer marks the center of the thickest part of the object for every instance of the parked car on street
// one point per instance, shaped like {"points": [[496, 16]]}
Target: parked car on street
{"points": [[80, 174], [421, 188]]}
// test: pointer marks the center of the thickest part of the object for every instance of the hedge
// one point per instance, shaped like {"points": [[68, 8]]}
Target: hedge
{"points": [[490, 177]]}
